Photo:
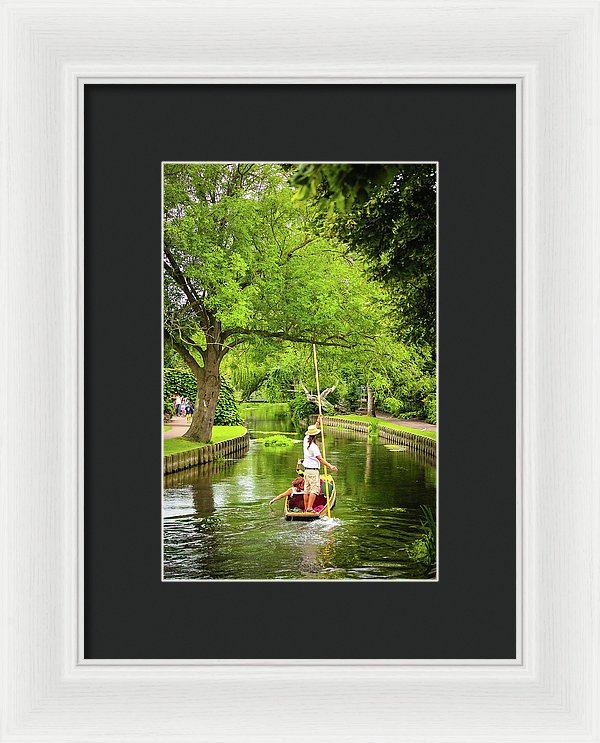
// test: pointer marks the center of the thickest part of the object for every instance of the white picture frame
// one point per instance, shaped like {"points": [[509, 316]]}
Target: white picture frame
{"points": [[550, 51]]}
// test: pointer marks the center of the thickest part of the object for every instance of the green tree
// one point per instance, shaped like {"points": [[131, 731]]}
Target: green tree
{"points": [[388, 214], [241, 262]]}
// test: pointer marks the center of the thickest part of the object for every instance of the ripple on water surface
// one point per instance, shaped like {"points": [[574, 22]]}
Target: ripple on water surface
{"points": [[218, 525]]}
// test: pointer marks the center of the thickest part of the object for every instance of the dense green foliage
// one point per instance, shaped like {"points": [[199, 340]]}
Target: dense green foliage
{"points": [[227, 412], [431, 408], [180, 381], [401, 378], [278, 440], [302, 409], [243, 263], [424, 549], [386, 213], [341, 186], [255, 272]]}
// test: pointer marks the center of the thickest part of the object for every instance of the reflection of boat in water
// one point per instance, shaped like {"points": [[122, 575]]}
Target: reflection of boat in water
{"points": [[295, 503]]}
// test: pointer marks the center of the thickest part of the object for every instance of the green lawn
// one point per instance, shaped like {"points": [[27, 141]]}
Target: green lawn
{"points": [[166, 428], [381, 422], [219, 433]]}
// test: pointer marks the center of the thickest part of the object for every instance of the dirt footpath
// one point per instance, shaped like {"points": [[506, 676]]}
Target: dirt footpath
{"points": [[178, 427], [412, 423]]}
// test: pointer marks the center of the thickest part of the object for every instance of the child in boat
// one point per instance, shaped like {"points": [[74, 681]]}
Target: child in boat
{"points": [[296, 489]]}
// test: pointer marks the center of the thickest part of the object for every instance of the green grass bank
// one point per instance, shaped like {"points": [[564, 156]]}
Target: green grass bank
{"points": [[383, 422], [219, 433]]}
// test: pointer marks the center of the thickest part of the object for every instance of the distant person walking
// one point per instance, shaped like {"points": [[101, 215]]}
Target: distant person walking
{"points": [[177, 403]]}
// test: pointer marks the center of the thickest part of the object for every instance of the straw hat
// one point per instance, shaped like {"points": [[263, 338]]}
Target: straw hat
{"points": [[313, 431]]}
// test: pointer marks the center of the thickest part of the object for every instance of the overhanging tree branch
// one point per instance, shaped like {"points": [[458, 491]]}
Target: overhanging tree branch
{"points": [[333, 340], [175, 272], [187, 357]]}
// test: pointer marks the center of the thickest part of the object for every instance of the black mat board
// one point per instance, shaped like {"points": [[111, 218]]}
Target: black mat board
{"points": [[471, 130]]}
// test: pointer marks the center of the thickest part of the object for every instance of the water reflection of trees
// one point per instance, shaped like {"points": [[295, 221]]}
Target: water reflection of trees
{"points": [[424, 458], [199, 480], [191, 475], [380, 492], [343, 433]]}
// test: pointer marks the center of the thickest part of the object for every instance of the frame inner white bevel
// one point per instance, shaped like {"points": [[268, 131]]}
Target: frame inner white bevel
{"points": [[550, 51]]}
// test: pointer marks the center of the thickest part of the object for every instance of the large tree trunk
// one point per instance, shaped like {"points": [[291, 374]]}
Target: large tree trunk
{"points": [[209, 385], [370, 401]]}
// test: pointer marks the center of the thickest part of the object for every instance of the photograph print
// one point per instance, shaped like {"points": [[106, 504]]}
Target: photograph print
{"points": [[299, 371]]}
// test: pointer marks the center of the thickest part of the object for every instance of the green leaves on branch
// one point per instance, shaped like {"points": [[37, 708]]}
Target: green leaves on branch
{"points": [[241, 253], [340, 186], [386, 213], [253, 275]]}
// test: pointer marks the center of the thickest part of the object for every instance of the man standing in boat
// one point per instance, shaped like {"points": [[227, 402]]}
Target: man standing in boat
{"points": [[312, 462]]}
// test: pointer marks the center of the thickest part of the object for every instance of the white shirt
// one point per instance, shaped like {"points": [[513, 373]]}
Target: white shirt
{"points": [[310, 455]]}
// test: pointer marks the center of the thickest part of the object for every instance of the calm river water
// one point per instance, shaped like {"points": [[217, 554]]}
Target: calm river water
{"points": [[218, 524]]}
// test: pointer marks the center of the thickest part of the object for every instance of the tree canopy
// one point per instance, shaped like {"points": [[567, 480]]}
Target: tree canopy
{"points": [[242, 261], [386, 213]]}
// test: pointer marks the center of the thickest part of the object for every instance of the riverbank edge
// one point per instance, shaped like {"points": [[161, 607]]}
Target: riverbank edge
{"points": [[413, 441], [205, 453]]}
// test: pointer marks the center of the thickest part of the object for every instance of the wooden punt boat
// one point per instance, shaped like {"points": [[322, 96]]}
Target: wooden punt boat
{"points": [[320, 504]]}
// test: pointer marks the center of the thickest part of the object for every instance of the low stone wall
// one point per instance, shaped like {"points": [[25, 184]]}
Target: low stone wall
{"points": [[413, 441], [204, 454]]}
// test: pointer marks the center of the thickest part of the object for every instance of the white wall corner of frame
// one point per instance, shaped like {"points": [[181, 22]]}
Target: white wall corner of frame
{"points": [[550, 50]]}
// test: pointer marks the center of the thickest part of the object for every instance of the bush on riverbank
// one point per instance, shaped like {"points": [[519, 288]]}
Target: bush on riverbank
{"points": [[227, 412], [424, 549], [302, 409], [431, 408]]}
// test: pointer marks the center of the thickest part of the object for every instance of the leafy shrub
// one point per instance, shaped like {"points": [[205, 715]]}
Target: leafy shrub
{"points": [[430, 405], [408, 415], [227, 412], [168, 410], [423, 550], [180, 380], [392, 406], [302, 409], [374, 429], [183, 381]]}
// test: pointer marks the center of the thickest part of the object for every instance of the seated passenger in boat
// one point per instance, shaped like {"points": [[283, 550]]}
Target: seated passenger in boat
{"points": [[297, 496], [295, 493]]}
